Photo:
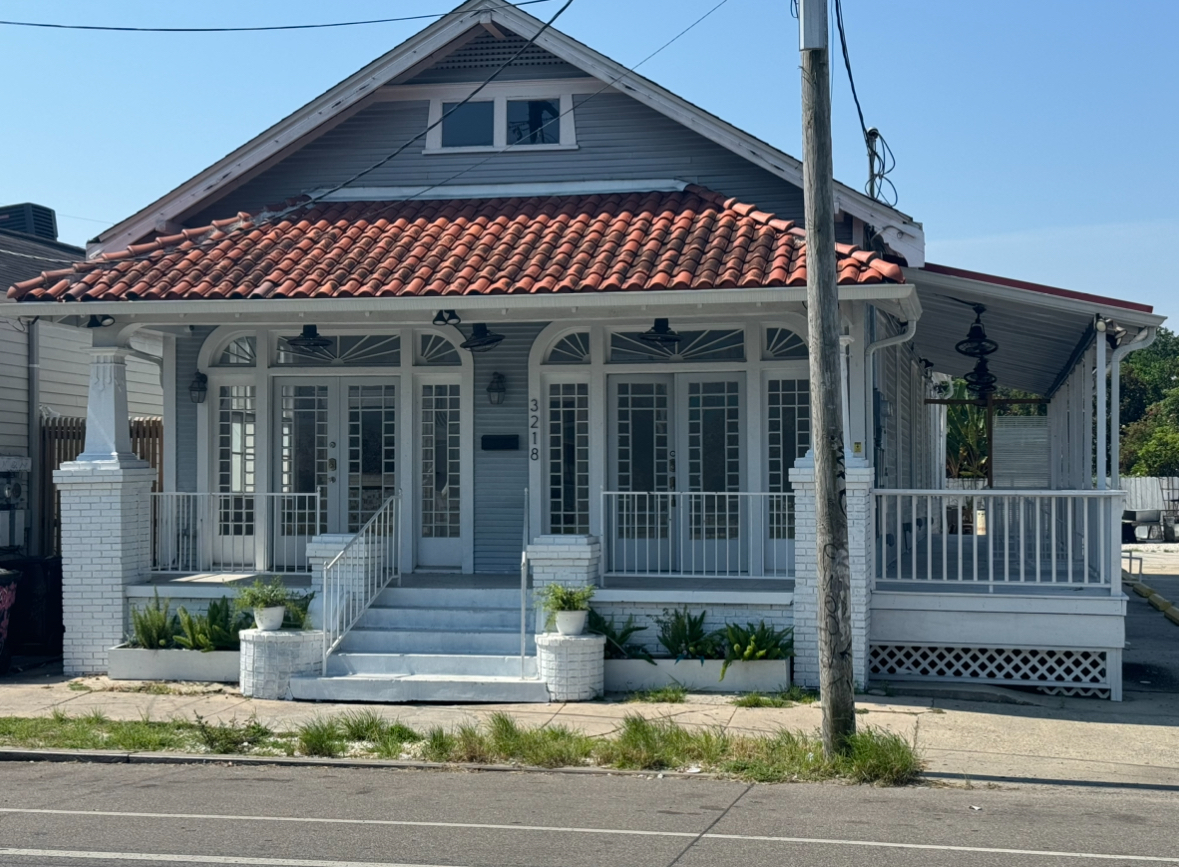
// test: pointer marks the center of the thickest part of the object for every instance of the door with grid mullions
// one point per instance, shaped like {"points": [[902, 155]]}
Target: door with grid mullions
{"points": [[439, 485]]}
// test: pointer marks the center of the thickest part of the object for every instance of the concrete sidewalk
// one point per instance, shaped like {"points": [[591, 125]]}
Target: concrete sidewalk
{"points": [[1135, 742]]}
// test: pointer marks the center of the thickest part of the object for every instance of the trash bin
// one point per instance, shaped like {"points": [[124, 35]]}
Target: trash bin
{"points": [[8, 587]]}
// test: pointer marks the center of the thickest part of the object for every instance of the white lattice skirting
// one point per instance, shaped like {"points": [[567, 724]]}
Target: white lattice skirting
{"points": [[1057, 672]]}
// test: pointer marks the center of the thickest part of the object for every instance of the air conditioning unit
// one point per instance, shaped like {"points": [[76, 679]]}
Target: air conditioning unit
{"points": [[14, 503]]}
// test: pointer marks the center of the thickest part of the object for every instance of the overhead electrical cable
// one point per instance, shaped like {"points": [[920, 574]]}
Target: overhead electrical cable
{"points": [[880, 158], [259, 29]]}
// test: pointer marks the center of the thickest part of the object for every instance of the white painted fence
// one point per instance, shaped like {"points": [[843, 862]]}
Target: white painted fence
{"points": [[1010, 540], [690, 533], [232, 532], [354, 578]]}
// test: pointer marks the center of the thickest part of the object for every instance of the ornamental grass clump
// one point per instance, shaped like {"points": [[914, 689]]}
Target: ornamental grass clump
{"points": [[683, 636], [321, 737], [154, 627]]}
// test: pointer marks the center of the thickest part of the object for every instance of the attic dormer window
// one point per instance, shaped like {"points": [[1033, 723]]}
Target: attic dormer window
{"points": [[523, 116]]}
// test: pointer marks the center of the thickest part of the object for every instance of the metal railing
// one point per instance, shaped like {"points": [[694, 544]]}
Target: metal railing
{"points": [[233, 532], [524, 585], [705, 534], [999, 538], [354, 578]]}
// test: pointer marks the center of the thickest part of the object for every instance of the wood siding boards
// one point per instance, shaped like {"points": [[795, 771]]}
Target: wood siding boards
{"points": [[14, 390], [502, 476], [618, 139], [188, 347], [65, 373]]}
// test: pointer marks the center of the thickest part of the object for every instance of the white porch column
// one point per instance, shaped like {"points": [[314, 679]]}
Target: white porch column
{"points": [[105, 521], [861, 541]]}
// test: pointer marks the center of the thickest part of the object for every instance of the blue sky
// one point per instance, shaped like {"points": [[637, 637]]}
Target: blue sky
{"points": [[1033, 139]]}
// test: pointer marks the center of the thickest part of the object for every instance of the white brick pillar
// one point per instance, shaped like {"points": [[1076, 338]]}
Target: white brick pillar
{"points": [[105, 521], [570, 560], [321, 550], [806, 587]]}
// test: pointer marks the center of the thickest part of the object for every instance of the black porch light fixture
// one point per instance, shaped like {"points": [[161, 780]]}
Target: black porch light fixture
{"points": [[309, 339], [660, 334], [446, 317], [481, 340], [198, 388], [978, 346], [497, 389], [97, 321]]}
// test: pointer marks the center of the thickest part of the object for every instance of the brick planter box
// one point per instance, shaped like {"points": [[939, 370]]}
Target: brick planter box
{"points": [[628, 675], [138, 663]]}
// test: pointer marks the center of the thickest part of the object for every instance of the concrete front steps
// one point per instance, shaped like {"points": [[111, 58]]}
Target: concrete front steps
{"points": [[433, 644]]}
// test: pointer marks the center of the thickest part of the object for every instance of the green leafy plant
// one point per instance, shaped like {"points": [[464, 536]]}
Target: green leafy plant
{"points": [[682, 634], [297, 606], [618, 644], [558, 597], [216, 629], [749, 642], [231, 737], [153, 626], [260, 594]]}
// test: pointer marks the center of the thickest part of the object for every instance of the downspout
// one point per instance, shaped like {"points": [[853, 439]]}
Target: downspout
{"points": [[33, 349], [870, 372], [1143, 339]]}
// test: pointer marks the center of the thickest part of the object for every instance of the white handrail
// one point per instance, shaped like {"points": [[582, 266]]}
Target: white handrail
{"points": [[524, 585], [354, 578]]}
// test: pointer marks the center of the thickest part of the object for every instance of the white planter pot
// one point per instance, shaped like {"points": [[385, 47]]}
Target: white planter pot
{"points": [[137, 663], [269, 619], [629, 675], [571, 622]]}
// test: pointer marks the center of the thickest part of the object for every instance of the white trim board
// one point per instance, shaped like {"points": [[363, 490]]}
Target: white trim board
{"points": [[504, 191], [904, 234]]}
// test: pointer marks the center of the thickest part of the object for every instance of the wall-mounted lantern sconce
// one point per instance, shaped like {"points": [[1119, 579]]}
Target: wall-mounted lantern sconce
{"points": [[497, 389], [198, 388]]}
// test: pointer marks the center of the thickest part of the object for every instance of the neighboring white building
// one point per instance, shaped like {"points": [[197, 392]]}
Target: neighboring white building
{"points": [[641, 422]]}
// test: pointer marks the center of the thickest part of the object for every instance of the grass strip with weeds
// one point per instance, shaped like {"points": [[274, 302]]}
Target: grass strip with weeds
{"points": [[783, 698], [874, 756], [672, 693]]}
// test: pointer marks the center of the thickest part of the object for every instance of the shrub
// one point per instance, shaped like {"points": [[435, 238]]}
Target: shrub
{"points": [[683, 636], [749, 642], [618, 644], [217, 629], [153, 626], [321, 737]]}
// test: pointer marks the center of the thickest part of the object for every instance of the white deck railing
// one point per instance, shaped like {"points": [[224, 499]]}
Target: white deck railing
{"points": [[703, 534], [232, 532], [1010, 540], [354, 578]]}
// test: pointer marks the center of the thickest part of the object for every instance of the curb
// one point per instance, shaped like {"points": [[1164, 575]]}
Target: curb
{"points": [[1143, 589], [116, 757], [1158, 603], [1172, 614]]}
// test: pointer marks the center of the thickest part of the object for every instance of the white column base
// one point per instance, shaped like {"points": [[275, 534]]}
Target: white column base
{"points": [[573, 667], [270, 659]]}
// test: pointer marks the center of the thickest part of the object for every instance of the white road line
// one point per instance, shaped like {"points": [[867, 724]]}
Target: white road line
{"points": [[1045, 853], [754, 838], [323, 821], [199, 859]]}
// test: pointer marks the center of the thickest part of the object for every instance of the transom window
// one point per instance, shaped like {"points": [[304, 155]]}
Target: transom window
{"points": [[239, 352], [360, 350], [721, 344]]}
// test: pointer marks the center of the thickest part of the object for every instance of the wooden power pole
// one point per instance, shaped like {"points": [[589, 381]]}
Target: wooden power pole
{"points": [[831, 544]]}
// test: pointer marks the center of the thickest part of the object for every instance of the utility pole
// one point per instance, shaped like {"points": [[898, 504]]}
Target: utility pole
{"points": [[831, 544]]}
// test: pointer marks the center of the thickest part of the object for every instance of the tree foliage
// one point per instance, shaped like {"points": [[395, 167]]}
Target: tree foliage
{"points": [[1150, 408]]}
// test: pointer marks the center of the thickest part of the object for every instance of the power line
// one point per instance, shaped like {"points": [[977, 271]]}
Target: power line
{"points": [[112, 29], [880, 158], [556, 119], [445, 115]]}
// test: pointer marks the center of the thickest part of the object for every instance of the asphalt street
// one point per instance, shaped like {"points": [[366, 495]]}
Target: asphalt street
{"points": [[190, 814]]}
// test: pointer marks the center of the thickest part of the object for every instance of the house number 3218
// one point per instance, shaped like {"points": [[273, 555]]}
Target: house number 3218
{"points": [[534, 429]]}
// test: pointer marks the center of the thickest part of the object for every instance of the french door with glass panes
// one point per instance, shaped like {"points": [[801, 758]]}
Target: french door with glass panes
{"points": [[336, 438], [676, 460], [439, 482]]}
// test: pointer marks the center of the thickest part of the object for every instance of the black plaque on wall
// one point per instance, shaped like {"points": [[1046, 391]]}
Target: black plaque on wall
{"points": [[501, 442]]}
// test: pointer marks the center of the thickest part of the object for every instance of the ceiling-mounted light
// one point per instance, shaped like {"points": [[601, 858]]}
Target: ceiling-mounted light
{"points": [[980, 380], [481, 340], [308, 340], [977, 344], [446, 317], [660, 334], [497, 389], [102, 321]]}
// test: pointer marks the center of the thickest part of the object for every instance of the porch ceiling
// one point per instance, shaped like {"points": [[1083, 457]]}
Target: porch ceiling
{"points": [[1037, 328]]}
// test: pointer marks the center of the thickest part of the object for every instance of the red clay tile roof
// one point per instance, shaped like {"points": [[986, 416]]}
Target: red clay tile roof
{"points": [[695, 239]]}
